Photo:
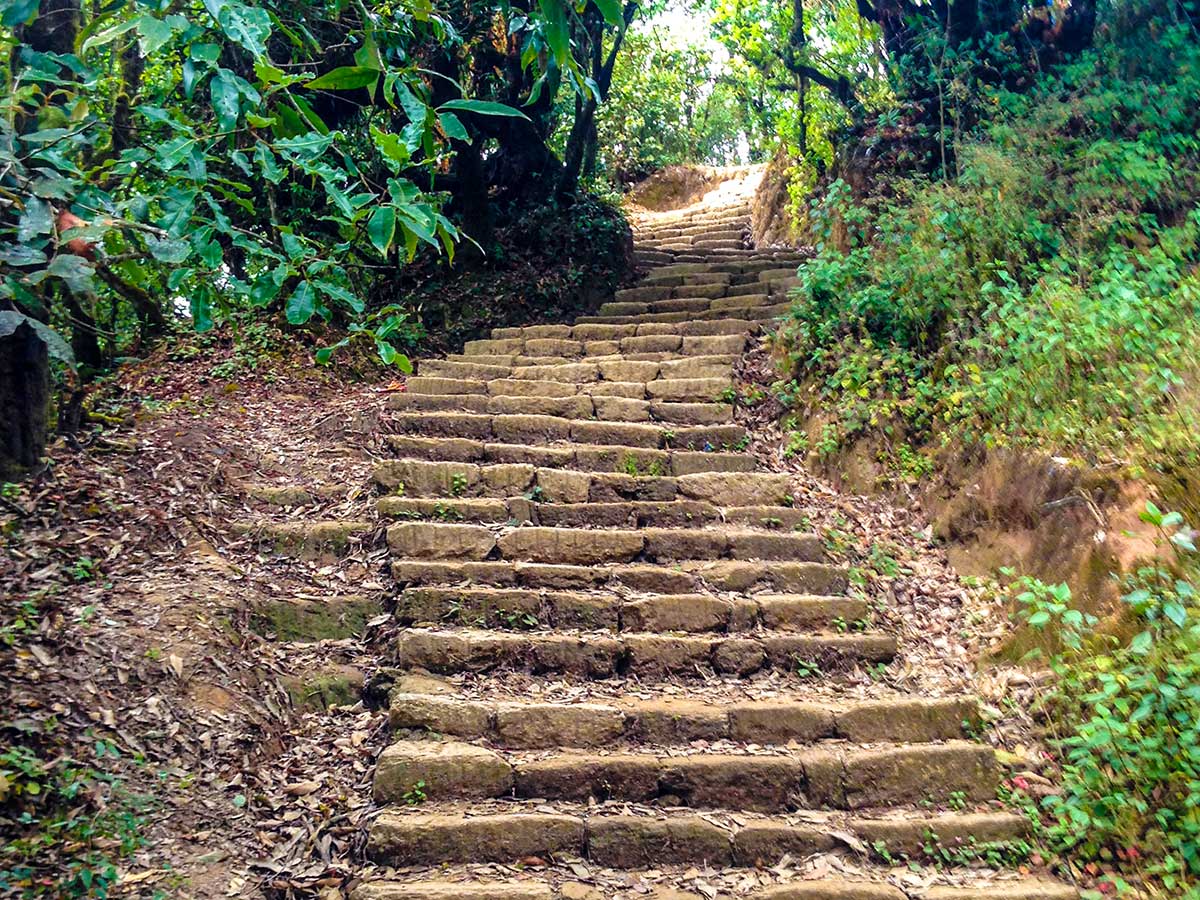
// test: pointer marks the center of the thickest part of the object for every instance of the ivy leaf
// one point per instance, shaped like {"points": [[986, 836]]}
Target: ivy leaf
{"points": [[345, 78], [302, 304], [382, 228], [483, 108]]}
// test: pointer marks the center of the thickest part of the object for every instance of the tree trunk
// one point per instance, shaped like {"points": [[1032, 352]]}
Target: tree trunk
{"points": [[24, 400]]}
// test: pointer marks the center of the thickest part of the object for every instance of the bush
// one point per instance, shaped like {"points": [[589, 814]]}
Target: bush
{"points": [[1126, 720], [1047, 295]]}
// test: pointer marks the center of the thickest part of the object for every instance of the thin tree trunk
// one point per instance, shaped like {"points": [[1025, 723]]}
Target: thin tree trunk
{"points": [[24, 400]]}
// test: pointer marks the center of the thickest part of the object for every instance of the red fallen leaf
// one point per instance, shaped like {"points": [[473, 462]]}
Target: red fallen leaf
{"points": [[533, 861], [1106, 887]]}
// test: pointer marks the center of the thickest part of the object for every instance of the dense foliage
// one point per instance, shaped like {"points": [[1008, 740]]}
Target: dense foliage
{"points": [[1044, 295], [217, 161], [1126, 721], [659, 82]]}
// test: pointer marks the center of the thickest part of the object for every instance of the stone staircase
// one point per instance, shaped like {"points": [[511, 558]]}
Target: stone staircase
{"points": [[622, 649]]}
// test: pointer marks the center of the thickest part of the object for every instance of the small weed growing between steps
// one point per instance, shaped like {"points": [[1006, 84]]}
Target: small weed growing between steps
{"points": [[415, 795], [1126, 720], [807, 668]]}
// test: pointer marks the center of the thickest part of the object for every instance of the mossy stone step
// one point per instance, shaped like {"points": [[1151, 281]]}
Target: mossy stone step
{"points": [[632, 842], [810, 778], [531, 725], [646, 656], [460, 478], [582, 546], [611, 458], [583, 330], [532, 429], [688, 576], [521, 609]]}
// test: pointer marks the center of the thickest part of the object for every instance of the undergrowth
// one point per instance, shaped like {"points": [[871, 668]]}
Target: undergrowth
{"points": [[68, 824], [1124, 718], [1043, 292]]}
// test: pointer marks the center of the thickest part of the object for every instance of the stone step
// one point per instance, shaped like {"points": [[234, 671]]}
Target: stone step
{"points": [[517, 510], [596, 338], [523, 609], [818, 777], [675, 279], [522, 724], [755, 313], [698, 389], [444, 834], [549, 429], [737, 269], [453, 890], [307, 539], [685, 577], [586, 546], [801, 889], [634, 461], [697, 362], [576, 406], [584, 331], [461, 480], [686, 302], [650, 657]]}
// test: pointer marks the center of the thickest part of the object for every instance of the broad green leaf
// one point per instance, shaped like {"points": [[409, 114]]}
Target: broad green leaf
{"points": [[226, 99], [169, 250], [249, 26], [302, 304], [414, 107], [381, 228], [310, 115], [345, 78], [74, 270], [453, 126], [367, 56], [36, 219], [201, 307], [611, 10], [267, 164], [483, 108], [391, 147], [155, 33]]}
